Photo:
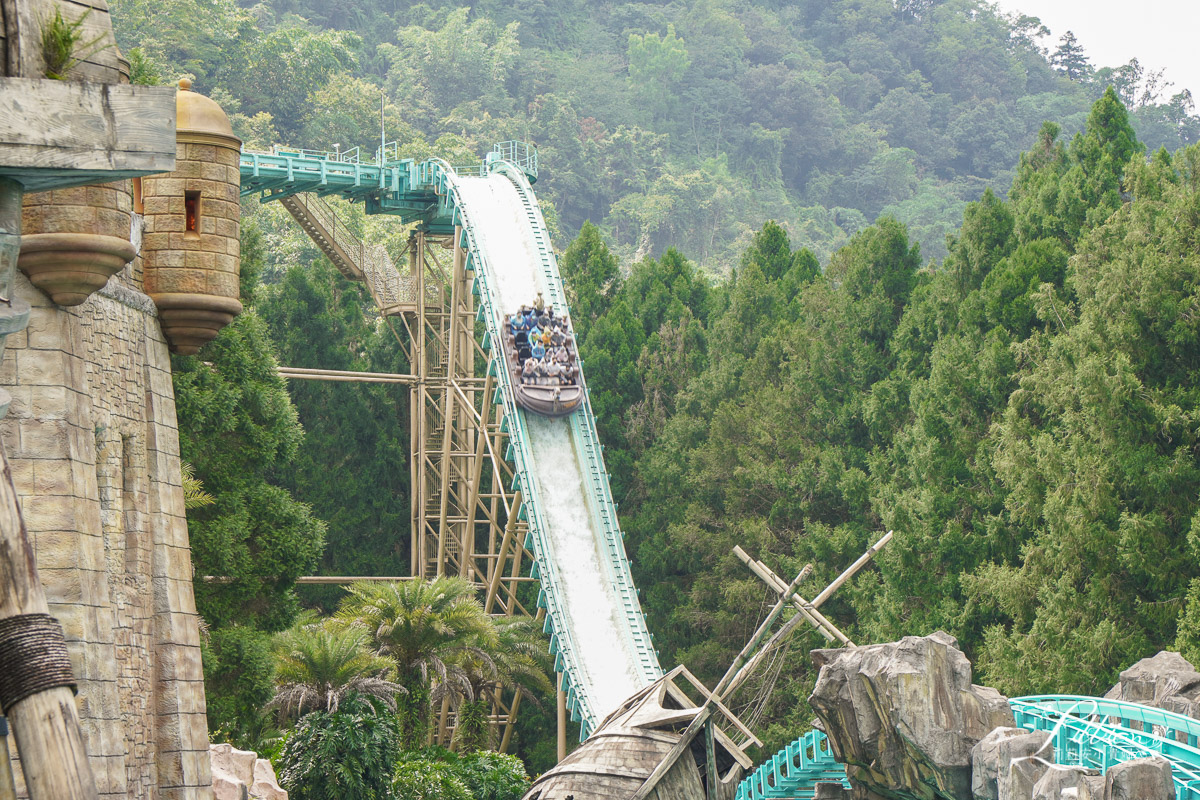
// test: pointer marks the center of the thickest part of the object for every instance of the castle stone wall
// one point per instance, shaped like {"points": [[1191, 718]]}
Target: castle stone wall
{"points": [[94, 448]]}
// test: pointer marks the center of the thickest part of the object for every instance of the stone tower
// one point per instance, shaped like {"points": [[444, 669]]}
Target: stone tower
{"points": [[94, 451], [191, 245]]}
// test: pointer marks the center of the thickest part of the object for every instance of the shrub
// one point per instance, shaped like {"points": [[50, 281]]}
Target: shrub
{"points": [[351, 752]]}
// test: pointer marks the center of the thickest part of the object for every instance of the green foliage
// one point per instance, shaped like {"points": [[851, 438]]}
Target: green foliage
{"points": [[320, 663], [351, 752], [668, 125], [438, 774], [428, 629], [1020, 414], [424, 779], [358, 432], [63, 45], [238, 427], [238, 676]]}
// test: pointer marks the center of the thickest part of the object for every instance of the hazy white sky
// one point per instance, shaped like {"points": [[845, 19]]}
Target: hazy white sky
{"points": [[1161, 34]]}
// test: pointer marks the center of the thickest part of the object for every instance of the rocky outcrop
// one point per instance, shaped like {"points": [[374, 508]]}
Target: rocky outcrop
{"points": [[1167, 681], [992, 759], [1141, 779], [242, 775], [905, 716]]}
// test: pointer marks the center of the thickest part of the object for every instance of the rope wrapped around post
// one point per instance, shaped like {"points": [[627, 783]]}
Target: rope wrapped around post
{"points": [[33, 658]]}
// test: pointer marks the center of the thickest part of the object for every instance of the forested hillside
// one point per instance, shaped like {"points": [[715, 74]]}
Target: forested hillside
{"points": [[1023, 415], [840, 276], [683, 124]]}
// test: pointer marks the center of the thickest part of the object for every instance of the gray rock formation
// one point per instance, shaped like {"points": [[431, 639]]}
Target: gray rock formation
{"points": [[242, 775], [904, 717], [991, 757], [1091, 787], [1061, 783], [1167, 681], [1141, 779]]}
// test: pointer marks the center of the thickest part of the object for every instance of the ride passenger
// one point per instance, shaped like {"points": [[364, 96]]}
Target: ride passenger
{"points": [[554, 371], [537, 350], [556, 337], [530, 372], [516, 323]]}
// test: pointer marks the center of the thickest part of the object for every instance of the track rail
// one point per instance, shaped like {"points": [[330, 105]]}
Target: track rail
{"points": [[428, 193], [1086, 731]]}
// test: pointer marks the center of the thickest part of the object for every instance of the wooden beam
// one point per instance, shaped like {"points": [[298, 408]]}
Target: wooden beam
{"points": [[823, 626], [304, 373], [498, 567], [55, 134], [561, 716], [508, 726]]}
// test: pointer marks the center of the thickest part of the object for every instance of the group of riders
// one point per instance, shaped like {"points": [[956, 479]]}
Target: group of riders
{"points": [[544, 346]]}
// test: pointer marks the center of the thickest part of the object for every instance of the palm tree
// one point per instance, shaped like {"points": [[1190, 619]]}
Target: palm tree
{"points": [[429, 629], [517, 658], [319, 663]]}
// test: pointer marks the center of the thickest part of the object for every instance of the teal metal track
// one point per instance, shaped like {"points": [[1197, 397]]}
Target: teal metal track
{"points": [[588, 452], [428, 193], [794, 771], [1086, 731]]}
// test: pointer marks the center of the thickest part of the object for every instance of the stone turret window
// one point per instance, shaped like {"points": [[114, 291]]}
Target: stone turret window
{"points": [[191, 209]]}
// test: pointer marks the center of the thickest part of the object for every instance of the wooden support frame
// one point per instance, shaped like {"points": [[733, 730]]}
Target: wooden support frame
{"points": [[466, 521]]}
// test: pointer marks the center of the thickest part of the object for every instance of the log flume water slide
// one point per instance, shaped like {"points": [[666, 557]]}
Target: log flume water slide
{"points": [[597, 631]]}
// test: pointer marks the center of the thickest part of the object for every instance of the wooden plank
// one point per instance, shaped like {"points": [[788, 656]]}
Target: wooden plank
{"points": [[85, 127]]}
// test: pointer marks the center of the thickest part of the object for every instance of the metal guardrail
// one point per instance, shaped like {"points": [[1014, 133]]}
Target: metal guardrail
{"points": [[1086, 731], [562, 644], [427, 191], [794, 771]]}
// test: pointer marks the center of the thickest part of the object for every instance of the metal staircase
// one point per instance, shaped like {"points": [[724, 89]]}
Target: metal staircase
{"points": [[370, 264]]}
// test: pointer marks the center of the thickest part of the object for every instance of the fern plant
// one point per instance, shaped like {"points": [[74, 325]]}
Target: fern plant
{"points": [[63, 45]]}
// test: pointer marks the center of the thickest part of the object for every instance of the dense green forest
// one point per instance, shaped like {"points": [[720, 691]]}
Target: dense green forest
{"points": [[683, 124], [851, 266]]}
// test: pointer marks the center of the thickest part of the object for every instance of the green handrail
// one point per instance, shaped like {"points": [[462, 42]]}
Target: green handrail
{"points": [[1086, 731]]}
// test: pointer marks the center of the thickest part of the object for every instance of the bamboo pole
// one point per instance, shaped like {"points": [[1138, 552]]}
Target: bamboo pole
{"points": [[763, 628], [747, 670], [851, 570], [46, 724], [823, 626]]}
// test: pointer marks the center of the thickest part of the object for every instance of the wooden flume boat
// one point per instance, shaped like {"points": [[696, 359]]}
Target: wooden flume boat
{"points": [[548, 396]]}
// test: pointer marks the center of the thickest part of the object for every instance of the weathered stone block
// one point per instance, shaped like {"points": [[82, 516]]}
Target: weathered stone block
{"points": [[1021, 762], [985, 762], [1060, 783], [1091, 787], [1140, 779]]}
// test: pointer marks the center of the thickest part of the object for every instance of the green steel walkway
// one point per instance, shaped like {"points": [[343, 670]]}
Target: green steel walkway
{"points": [[1086, 731]]}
